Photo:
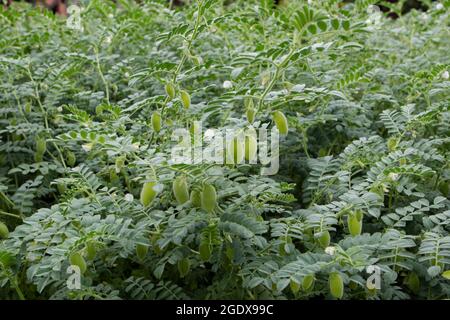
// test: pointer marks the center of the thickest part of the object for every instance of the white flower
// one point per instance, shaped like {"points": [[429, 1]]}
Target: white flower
{"points": [[87, 147], [158, 188], [424, 16], [330, 250], [129, 197], [439, 6], [108, 39], [136, 145], [227, 84], [445, 75], [393, 176]]}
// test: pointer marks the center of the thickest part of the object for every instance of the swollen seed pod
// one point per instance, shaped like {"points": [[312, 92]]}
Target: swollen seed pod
{"points": [[180, 190], [205, 251], [194, 128], [99, 109], [336, 285], [148, 193], [295, 286], [308, 282], [196, 198], [170, 90], [359, 214], [113, 175], [38, 157], [354, 224], [281, 122], [141, 251], [235, 151], [248, 102], [324, 239], [250, 113], [71, 158], [41, 145], [444, 187], [209, 198], [76, 259], [4, 232], [184, 266], [28, 107], [119, 164], [197, 60], [61, 188], [392, 143], [413, 282], [185, 99], [251, 146], [91, 250], [156, 121]]}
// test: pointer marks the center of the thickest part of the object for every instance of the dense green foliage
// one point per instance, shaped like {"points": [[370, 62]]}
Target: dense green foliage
{"points": [[364, 168]]}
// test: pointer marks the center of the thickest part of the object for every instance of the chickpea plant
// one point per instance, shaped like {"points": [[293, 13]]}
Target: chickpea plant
{"points": [[87, 117]]}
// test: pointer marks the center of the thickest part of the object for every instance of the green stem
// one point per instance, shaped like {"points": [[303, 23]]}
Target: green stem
{"points": [[105, 83], [10, 214]]}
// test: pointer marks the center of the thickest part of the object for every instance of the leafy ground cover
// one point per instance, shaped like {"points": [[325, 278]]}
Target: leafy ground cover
{"points": [[86, 124]]}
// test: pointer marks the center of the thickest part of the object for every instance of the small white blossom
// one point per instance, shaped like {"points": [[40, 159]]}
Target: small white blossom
{"points": [[330, 250], [227, 84], [136, 145], [87, 147], [394, 176], [129, 197], [424, 16], [445, 75], [439, 6]]}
